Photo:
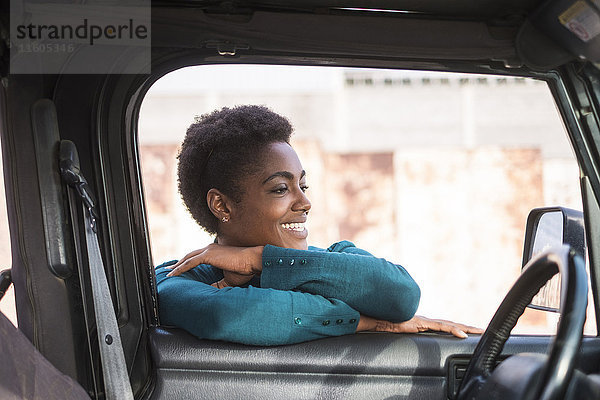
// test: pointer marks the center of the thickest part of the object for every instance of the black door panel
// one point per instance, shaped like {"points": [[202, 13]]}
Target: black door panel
{"points": [[366, 365], [265, 385]]}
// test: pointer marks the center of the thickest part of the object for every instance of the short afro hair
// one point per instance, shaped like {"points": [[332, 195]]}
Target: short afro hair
{"points": [[222, 148]]}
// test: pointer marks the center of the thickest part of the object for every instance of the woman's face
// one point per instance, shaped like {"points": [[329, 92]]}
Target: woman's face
{"points": [[274, 206]]}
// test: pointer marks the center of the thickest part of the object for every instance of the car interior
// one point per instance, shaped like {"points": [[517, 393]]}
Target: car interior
{"points": [[73, 176]]}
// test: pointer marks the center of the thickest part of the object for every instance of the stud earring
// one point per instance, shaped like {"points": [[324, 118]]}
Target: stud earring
{"points": [[225, 219]]}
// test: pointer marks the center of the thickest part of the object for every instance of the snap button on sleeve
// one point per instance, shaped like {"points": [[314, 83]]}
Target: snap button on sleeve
{"points": [[280, 261], [353, 320], [303, 261], [267, 263], [339, 321], [292, 261], [326, 322], [298, 321]]}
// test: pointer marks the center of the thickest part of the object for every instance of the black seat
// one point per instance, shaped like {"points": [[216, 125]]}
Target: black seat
{"points": [[26, 374]]}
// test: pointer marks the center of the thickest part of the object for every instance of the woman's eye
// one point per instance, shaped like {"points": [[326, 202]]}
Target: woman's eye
{"points": [[280, 190], [285, 189]]}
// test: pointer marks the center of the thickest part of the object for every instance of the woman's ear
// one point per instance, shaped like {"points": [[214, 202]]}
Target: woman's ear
{"points": [[218, 204]]}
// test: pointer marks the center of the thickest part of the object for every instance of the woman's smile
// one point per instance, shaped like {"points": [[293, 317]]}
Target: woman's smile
{"points": [[294, 226], [297, 229]]}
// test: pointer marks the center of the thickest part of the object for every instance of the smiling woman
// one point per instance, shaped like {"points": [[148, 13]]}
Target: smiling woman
{"points": [[260, 283]]}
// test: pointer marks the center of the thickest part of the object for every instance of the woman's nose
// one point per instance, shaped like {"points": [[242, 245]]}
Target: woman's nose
{"points": [[302, 203]]}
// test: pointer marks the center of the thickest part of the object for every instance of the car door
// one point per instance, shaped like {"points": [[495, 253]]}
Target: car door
{"points": [[99, 114]]}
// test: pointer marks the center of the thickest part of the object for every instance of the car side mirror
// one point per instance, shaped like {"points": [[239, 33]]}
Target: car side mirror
{"points": [[552, 227]]}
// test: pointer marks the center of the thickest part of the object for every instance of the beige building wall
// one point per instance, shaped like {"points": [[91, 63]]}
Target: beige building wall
{"points": [[461, 216]]}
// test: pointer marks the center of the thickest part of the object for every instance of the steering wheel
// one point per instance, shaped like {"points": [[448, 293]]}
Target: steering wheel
{"points": [[531, 376]]}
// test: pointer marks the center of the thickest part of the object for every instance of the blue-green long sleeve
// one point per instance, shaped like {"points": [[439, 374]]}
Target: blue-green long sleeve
{"points": [[370, 285], [248, 315], [301, 295]]}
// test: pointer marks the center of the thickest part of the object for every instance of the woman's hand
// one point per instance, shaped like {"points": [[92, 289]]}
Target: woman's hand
{"points": [[245, 261], [415, 325], [232, 279]]}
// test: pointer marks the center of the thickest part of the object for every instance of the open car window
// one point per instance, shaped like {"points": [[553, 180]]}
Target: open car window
{"points": [[434, 171]]}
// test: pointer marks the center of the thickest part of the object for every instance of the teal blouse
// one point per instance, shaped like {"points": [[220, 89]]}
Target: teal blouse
{"points": [[301, 295]]}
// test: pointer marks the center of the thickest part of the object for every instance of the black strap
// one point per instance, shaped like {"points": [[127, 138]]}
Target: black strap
{"points": [[114, 368]]}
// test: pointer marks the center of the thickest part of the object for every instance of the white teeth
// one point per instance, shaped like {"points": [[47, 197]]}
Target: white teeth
{"points": [[296, 226]]}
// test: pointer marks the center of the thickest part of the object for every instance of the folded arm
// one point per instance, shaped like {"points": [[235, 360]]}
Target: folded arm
{"points": [[260, 316], [370, 285], [250, 315]]}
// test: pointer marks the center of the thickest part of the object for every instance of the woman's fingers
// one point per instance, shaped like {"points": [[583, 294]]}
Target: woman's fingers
{"points": [[470, 329], [457, 329], [220, 284], [187, 257], [446, 326], [236, 279], [186, 264], [423, 324]]}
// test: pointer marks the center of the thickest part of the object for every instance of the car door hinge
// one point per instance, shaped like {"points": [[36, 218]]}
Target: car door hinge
{"points": [[225, 48]]}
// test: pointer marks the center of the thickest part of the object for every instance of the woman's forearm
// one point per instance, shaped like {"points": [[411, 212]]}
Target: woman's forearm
{"points": [[239, 260]]}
